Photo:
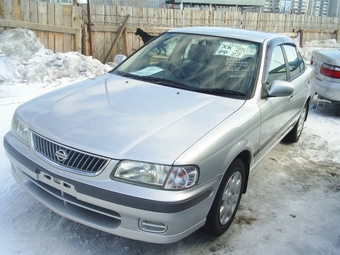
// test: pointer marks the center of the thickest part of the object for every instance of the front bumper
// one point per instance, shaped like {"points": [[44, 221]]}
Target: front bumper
{"points": [[327, 89], [134, 217]]}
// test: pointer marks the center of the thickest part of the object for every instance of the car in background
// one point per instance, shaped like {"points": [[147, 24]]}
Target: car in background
{"points": [[327, 67], [163, 144]]}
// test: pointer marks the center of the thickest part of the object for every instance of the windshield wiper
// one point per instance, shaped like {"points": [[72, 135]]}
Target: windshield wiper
{"points": [[125, 74], [222, 92], [156, 80], [177, 84], [162, 81]]}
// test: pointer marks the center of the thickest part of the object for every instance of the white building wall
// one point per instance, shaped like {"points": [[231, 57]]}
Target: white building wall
{"points": [[310, 7], [224, 2], [318, 7], [300, 6]]}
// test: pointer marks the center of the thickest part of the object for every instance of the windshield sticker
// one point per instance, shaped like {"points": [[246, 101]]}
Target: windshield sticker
{"points": [[148, 71], [236, 50]]}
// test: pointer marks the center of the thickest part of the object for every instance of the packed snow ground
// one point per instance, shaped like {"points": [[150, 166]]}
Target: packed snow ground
{"points": [[292, 205]]}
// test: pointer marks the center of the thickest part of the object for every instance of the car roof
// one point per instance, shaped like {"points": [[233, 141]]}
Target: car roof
{"points": [[249, 35]]}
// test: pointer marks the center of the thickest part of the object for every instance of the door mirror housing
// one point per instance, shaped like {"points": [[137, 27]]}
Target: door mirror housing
{"points": [[280, 89]]}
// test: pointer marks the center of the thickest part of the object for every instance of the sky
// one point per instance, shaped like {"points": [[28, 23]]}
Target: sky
{"points": [[292, 205]]}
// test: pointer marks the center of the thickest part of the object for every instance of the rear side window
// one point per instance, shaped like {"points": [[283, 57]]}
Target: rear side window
{"points": [[302, 63], [295, 61]]}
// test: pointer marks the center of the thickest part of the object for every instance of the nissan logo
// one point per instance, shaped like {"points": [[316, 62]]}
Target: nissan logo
{"points": [[61, 155]]}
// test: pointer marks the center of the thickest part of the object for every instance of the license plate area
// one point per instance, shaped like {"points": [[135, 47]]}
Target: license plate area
{"points": [[57, 183]]}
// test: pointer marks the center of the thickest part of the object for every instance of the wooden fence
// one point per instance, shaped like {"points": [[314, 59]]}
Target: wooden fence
{"points": [[64, 28], [58, 26]]}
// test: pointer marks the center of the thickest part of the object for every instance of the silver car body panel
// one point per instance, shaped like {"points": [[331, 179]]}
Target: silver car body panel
{"points": [[138, 133], [149, 123], [326, 87]]}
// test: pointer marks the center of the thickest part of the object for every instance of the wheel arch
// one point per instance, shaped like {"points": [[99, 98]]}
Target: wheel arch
{"points": [[245, 156]]}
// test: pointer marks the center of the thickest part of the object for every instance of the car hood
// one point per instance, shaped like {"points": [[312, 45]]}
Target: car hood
{"points": [[123, 118]]}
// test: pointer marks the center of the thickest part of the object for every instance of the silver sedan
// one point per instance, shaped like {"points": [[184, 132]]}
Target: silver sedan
{"points": [[163, 144]]}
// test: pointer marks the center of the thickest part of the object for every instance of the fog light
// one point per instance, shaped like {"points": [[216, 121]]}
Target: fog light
{"points": [[153, 227]]}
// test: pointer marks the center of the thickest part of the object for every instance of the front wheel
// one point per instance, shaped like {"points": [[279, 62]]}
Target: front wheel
{"points": [[224, 207], [294, 135]]}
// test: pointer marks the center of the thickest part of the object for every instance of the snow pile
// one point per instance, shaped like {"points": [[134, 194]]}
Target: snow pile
{"points": [[310, 46], [24, 59]]}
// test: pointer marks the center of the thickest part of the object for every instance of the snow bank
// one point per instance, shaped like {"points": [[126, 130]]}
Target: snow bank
{"points": [[24, 59], [310, 46]]}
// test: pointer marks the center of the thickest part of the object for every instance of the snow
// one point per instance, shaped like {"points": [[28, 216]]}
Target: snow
{"points": [[292, 205]]}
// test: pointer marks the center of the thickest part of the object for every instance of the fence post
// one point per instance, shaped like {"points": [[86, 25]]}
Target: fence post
{"points": [[119, 33], [301, 38], [89, 25], [85, 46], [77, 40]]}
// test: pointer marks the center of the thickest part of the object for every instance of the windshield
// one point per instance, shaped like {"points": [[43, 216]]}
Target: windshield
{"points": [[206, 64]]}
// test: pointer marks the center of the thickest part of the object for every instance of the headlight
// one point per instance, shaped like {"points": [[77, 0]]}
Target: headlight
{"points": [[163, 176], [20, 129]]}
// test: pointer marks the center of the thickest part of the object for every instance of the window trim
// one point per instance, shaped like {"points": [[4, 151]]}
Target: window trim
{"points": [[289, 76]]}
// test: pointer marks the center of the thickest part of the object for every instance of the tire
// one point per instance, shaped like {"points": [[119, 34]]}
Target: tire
{"points": [[224, 207], [294, 135]]}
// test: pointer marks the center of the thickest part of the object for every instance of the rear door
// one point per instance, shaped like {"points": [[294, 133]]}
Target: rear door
{"points": [[274, 110], [279, 113]]}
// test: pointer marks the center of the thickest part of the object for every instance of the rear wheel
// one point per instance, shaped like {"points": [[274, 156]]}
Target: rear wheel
{"points": [[224, 207], [294, 135]]}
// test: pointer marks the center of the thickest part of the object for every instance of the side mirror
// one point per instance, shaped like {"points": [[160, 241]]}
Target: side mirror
{"points": [[280, 89], [119, 59]]}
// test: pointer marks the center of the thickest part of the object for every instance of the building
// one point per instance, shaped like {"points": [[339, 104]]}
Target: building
{"points": [[243, 5], [300, 6], [329, 8], [318, 7], [136, 3], [334, 8], [309, 7]]}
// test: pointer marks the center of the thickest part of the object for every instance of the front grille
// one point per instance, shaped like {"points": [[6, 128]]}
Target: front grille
{"points": [[66, 157]]}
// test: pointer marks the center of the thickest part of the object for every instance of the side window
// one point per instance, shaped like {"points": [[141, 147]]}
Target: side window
{"points": [[294, 61], [277, 66]]}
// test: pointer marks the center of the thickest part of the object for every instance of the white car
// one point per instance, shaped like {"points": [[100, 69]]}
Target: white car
{"points": [[162, 145], [327, 67]]}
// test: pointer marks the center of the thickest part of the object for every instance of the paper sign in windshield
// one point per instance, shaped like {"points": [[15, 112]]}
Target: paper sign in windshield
{"points": [[148, 71], [236, 50]]}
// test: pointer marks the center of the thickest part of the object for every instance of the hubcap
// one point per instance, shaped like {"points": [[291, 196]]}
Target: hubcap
{"points": [[230, 197]]}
